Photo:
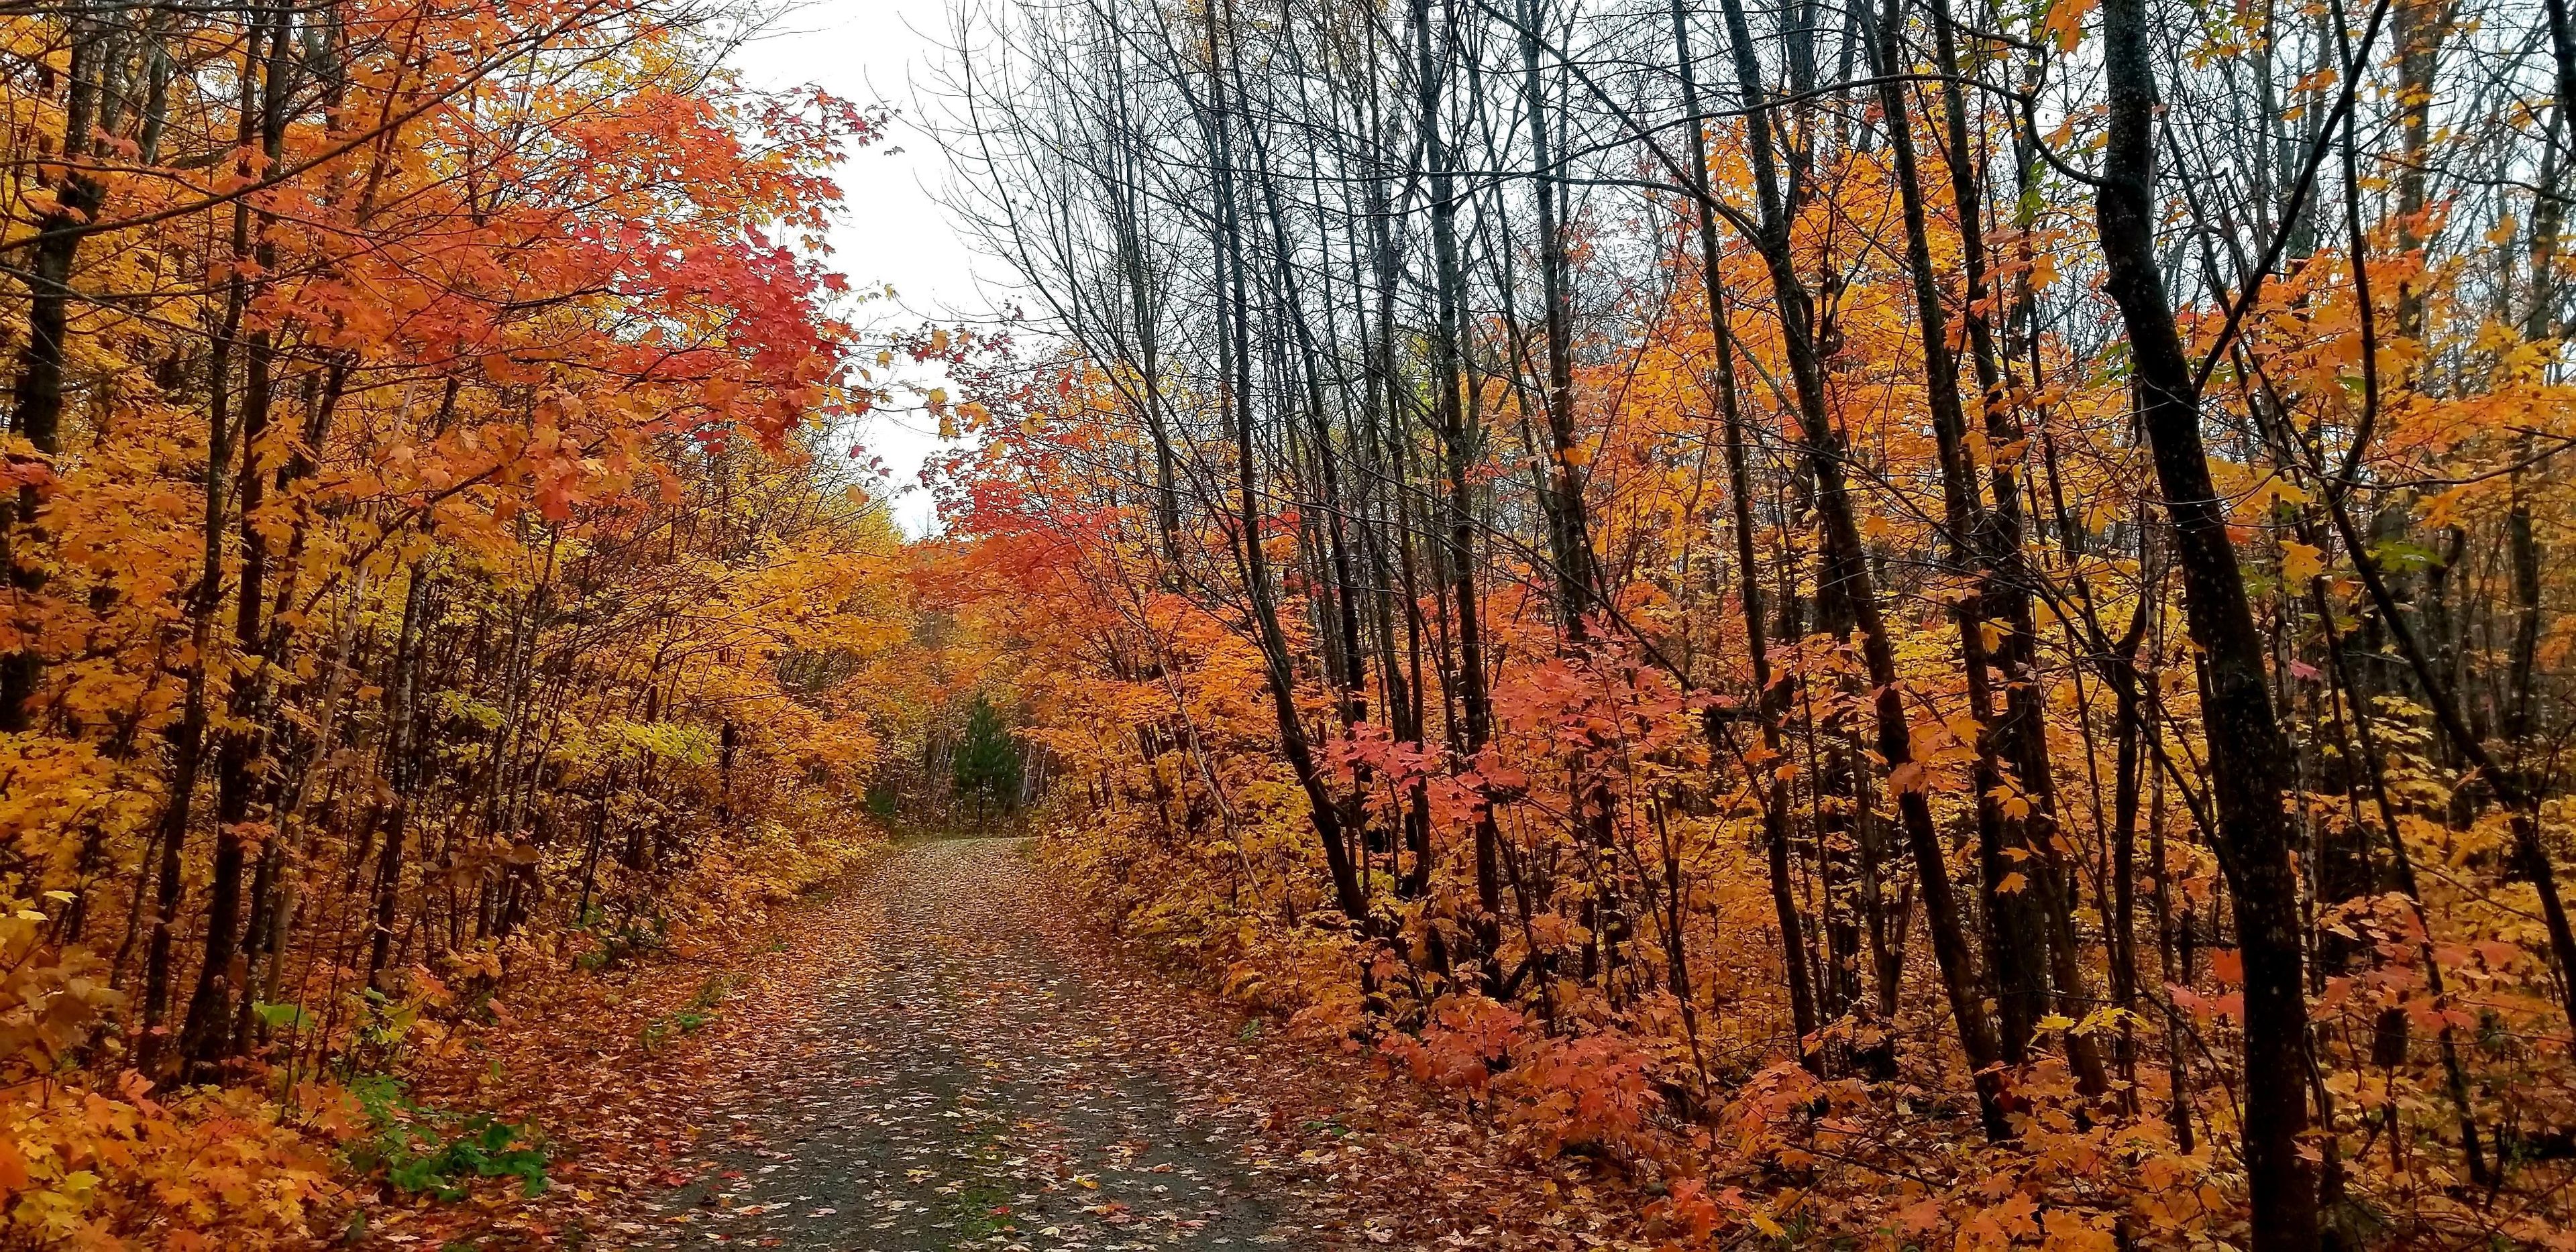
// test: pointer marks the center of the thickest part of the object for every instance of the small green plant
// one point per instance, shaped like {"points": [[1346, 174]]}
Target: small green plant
{"points": [[690, 1017], [437, 1152], [620, 941], [982, 1211], [386, 1020]]}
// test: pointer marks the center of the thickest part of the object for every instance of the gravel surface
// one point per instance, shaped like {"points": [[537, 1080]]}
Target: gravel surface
{"points": [[959, 1085]]}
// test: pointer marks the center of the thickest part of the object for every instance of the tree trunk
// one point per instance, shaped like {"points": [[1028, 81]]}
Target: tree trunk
{"points": [[1845, 576], [2250, 771]]}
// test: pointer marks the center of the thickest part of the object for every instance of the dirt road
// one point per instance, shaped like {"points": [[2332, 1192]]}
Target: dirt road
{"points": [[960, 1087]]}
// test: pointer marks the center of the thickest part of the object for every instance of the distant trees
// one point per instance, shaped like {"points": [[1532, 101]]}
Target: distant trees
{"points": [[986, 767]]}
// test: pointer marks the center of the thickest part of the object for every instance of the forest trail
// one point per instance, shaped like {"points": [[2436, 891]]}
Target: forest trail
{"points": [[1619, 626], [960, 1085]]}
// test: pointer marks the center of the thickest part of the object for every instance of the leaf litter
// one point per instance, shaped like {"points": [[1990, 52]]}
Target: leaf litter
{"points": [[948, 1054]]}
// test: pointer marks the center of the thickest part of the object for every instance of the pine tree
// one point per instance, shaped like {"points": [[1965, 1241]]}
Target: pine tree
{"points": [[987, 765]]}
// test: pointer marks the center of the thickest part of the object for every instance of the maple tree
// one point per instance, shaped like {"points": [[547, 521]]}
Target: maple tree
{"points": [[1926, 621], [432, 560]]}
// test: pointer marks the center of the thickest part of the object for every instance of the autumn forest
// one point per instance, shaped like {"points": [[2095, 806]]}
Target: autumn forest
{"points": [[1658, 624]]}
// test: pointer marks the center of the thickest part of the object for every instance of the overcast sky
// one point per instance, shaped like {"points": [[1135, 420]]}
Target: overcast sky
{"points": [[875, 52]]}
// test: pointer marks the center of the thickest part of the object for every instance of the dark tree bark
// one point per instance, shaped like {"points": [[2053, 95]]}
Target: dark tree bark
{"points": [[2249, 765], [1772, 790], [1845, 576]]}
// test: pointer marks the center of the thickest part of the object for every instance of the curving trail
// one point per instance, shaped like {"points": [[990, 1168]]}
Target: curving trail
{"points": [[957, 1085]]}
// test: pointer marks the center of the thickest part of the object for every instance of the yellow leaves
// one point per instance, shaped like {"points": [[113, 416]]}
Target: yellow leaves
{"points": [[936, 400], [2275, 490], [2301, 563], [222, 1163], [2441, 510], [1244, 981], [2525, 359]]}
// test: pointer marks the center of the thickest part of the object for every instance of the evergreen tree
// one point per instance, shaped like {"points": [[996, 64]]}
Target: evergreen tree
{"points": [[987, 765]]}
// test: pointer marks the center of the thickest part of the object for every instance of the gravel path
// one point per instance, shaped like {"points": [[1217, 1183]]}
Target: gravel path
{"points": [[959, 1087]]}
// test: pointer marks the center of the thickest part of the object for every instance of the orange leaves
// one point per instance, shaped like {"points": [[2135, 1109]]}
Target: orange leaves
{"points": [[50, 998], [1695, 1212], [1591, 1090], [21, 465], [2064, 22], [1936, 748], [1911, 776], [217, 1167], [1467, 1037], [2001, 1225]]}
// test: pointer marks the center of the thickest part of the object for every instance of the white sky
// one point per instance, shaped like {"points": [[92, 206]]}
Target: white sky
{"points": [[892, 229]]}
